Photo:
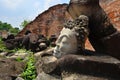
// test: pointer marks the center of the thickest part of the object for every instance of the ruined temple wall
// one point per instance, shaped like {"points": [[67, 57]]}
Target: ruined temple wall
{"points": [[50, 21], [112, 8]]}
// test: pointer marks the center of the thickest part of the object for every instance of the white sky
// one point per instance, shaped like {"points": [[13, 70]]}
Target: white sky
{"points": [[16, 11]]}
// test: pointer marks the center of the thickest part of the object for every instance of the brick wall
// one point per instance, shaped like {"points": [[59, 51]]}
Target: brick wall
{"points": [[112, 8]]}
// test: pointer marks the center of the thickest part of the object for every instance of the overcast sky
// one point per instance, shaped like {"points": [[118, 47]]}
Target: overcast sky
{"points": [[16, 11]]}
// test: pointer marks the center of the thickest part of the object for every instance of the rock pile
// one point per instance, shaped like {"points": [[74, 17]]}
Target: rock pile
{"points": [[30, 41]]}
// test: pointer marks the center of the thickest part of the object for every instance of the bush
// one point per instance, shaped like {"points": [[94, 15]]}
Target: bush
{"points": [[30, 70], [2, 46]]}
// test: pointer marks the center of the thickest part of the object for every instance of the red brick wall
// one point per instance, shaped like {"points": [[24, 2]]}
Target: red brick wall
{"points": [[112, 8]]}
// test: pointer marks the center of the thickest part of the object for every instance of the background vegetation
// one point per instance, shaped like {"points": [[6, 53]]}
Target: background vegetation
{"points": [[8, 27], [24, 23]]}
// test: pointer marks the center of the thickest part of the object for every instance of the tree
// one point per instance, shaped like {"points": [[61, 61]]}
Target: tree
{"points": [[14, 30], [8, 27], [24, 23], [5, 26]]}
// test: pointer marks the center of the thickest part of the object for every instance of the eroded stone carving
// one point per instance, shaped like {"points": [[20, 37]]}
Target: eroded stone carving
{"points": [[72, 37], [66, 43]]}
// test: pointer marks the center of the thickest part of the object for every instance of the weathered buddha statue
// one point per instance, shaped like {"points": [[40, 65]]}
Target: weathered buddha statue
{"points": [[66, 43], [72, 37], [103, 36]]}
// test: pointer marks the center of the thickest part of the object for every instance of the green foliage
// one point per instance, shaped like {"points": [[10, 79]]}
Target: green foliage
{"points": [[2, 46], [19, 59], [8, 27], [21, 50], [24, 23], [14, 30], [30, 71], [4, 49], [5, 26], [10, 51]]}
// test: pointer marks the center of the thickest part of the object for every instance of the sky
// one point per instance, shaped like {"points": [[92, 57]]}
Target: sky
{"points": [[15, 12]]}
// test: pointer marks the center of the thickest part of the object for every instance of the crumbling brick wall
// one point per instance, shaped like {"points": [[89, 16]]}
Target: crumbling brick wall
{"points": [[112, 8], [50, 22]]}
